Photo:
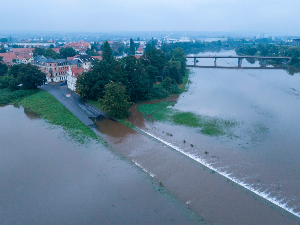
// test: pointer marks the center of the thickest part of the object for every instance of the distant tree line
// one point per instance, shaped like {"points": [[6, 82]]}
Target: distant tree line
{"points": [[194, 47], [49, 52], [272, 50], [138, 76]]}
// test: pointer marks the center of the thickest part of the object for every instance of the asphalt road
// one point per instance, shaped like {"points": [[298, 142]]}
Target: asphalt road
{"points": [[74, 103]]}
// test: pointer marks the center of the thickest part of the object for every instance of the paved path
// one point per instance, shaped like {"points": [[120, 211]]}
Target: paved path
{"points": [[75, 104]]}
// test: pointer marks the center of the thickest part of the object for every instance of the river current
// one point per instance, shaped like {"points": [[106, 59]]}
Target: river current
{"points": [[263, 153]]}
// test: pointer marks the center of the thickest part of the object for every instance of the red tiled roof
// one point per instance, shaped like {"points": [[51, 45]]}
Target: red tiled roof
{"points": [[97, 57], [76, 71], [27, 50], [100, 52], [140, 50], [9, 55], [56, 50], [110, 42], [137, 56]]}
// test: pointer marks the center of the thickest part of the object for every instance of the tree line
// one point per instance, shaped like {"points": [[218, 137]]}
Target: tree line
{"points": [[23, 76], [272, 50], [139, 77]]}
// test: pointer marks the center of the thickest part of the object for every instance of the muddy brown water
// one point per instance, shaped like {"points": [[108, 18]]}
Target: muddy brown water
{"points": [[263, 155], [47, 178]]}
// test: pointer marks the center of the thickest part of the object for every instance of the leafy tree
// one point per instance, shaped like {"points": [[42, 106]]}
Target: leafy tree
{"points": [[174, 71], [115, 100], [135, 78], [51, 46], [67, 52], [16, 46], [2, 50], [118, 48], [132, 47], [170, 85], [3, 68], [38, 51], [91, 84], [179, 56], [107, 52], [91, 52], [154, 57], [51, 53], [26, 74], [3, 40]]}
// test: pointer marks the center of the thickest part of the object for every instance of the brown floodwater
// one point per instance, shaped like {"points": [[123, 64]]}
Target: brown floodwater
{"points": [[47, 178], [249, 177]]}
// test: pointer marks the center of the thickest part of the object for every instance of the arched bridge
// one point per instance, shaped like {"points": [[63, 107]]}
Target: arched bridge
{"points": [[240, 59]]}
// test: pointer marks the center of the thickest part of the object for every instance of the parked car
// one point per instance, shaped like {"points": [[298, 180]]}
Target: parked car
{"points": [[62, 84], [45, 83]]}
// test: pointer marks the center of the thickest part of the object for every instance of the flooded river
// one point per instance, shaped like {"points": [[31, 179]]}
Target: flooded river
{"points": [[262, 154], [251, 175], [47, 178]]}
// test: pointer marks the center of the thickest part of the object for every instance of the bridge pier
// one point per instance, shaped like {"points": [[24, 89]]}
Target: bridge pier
{"points": [[240, 62], [195, 61], [215, 62]]}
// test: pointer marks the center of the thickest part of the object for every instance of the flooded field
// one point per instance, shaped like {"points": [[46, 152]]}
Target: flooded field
{"points": [[47, 178]]}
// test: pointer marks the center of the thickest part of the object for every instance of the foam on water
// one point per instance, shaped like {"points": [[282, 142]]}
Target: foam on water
{"points": [[264, 194], [143, 168]]}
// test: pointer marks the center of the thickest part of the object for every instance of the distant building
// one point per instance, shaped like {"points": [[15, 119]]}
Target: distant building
{"points": [[296, 42], [56, 69], [139, 51], [22, 51], [184, 39], [8, 58], [80, 46]]}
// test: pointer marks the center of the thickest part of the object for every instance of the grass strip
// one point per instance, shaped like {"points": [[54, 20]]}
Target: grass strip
{"points": [[209, 125], [55, 113], [8, 97]]}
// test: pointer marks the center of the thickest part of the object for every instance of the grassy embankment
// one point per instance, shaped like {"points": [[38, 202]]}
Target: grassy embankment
{"points": [[51, 110], [8, 97]]}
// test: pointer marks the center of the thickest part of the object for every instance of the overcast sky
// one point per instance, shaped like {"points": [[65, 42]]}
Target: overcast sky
{"points": [[151, 15]]}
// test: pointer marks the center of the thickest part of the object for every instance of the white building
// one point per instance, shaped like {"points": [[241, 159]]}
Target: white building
{"points": [[72, 77]]}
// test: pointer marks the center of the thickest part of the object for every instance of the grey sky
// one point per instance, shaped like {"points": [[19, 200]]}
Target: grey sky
{"points": [[151, 15]]}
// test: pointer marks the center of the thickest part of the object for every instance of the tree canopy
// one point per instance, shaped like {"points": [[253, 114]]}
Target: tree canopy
{"points": [[115, 100], [107, 52], [3, 67], [24, 76], [137, 76], [67, 52]]}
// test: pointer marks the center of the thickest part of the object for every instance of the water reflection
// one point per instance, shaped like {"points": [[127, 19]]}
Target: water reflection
{"points": [[31, 115]]}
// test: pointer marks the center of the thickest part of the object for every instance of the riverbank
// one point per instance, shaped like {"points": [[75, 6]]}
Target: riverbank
{"points": [[48, 108], [8, 97]]}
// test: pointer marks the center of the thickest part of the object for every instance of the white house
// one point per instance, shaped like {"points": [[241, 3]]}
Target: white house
{"points": [[72, 77]]}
